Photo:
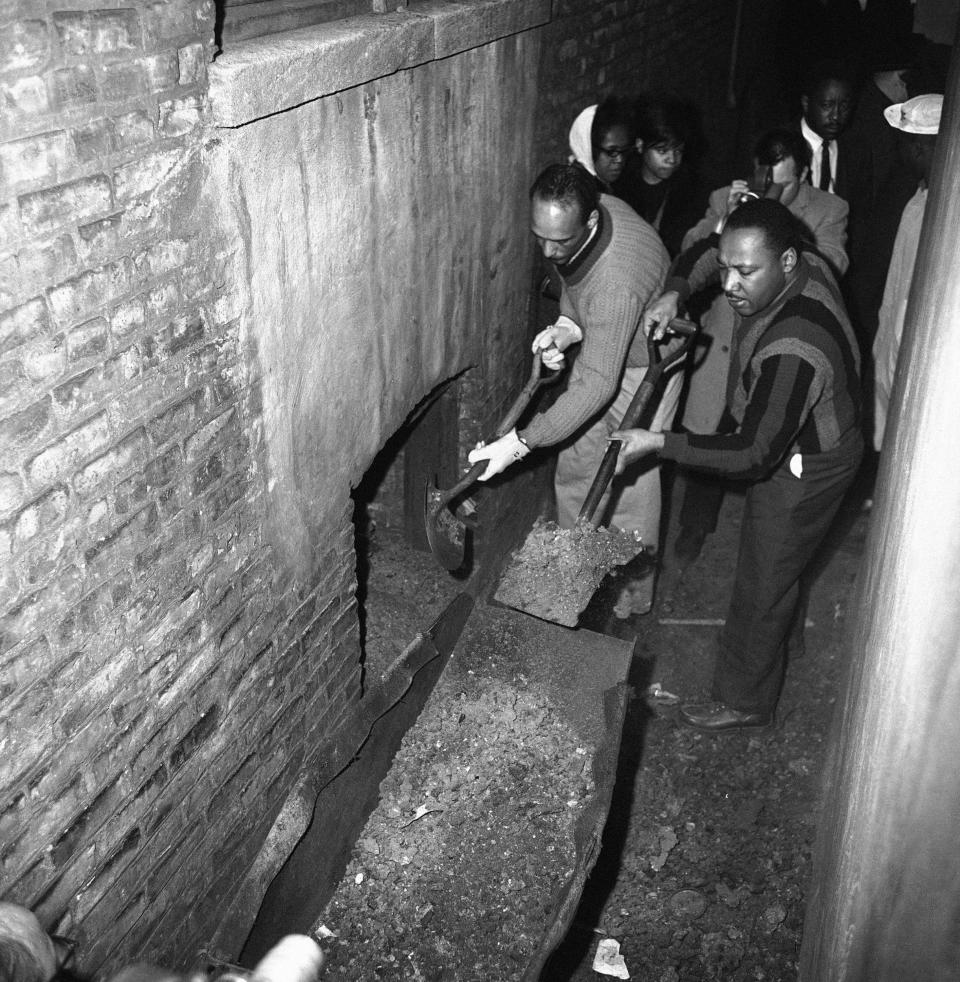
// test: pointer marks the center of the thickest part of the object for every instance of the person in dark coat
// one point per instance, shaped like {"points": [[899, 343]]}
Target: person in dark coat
{"points": [[660, 181]]}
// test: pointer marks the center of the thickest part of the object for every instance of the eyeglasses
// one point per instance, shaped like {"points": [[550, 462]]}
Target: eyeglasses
{"points": [[615, 153]]}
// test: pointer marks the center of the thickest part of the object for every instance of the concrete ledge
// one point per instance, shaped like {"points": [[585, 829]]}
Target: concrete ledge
{"points": [[256, 78]]}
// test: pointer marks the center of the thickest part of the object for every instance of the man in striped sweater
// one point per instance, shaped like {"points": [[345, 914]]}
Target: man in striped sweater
{"points": [[611, 263], [792, 427]]}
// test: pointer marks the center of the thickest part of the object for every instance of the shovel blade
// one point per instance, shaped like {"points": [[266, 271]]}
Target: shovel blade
{"points": [[446, 534], [556, 572]]}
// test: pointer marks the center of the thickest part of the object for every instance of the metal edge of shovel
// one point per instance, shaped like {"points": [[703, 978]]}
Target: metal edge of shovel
{"points": [[446, 533]]}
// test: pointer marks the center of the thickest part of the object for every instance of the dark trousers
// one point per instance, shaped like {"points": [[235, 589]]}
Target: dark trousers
{"points": [[785, 520], [702, 498]]}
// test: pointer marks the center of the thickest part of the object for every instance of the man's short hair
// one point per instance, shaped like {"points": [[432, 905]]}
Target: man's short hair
{"points": [[776, 145], [781, 230], [827, 70], [568, 186]]}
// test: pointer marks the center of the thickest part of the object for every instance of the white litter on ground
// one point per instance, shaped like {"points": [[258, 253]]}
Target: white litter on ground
{"points": [[609, 961]]}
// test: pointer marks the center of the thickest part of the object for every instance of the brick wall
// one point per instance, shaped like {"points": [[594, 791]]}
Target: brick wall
{"points": [[161, 675]]}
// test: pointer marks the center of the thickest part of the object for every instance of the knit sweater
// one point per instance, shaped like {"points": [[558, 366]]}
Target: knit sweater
{"points": [[605, 289], [793, 385]]}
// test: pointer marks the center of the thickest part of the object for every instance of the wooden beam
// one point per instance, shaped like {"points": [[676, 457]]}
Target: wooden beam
{"points": [[886, 898]]}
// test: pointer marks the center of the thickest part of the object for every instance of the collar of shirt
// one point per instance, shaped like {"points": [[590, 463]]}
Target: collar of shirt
{"points": [[816, 142], [577, 260], [814, 139]]}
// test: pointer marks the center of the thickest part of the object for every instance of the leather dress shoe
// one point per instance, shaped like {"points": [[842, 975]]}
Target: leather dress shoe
{"points": [[718, 717], [688, 544]]}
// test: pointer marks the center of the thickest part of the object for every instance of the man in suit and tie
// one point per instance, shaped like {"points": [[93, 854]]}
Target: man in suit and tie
{"points": [[827, 104]]}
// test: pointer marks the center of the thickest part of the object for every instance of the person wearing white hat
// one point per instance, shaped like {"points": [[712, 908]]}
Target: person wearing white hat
{"points": [[919, 120]]}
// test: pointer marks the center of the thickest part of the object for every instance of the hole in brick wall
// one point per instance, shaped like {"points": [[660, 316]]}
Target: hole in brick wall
{"points": [[400, 586]]}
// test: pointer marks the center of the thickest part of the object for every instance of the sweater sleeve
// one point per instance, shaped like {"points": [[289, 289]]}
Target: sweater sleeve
{"points": [[695, 268], [609, 322], [776, 410]]}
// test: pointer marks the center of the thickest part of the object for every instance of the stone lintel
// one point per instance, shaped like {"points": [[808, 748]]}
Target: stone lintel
{"points": [[255, 78]]}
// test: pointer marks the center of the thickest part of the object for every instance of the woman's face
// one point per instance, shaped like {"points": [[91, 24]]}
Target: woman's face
{"points": [[610, 154], [661, 161]]}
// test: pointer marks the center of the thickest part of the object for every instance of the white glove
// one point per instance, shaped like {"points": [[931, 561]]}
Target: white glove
{"points": [[500, 454], [555, 339]]}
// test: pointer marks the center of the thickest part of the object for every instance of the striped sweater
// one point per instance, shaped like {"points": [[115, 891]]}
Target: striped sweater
{"points": [[793, 384], [605, 289]]}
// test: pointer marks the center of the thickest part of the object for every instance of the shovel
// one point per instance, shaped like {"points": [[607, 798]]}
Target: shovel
{"points": [[446, 533], [557, 571]]}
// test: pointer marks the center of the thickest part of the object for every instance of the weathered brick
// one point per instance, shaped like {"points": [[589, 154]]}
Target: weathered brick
{"points": [[107, 468], [192, 64], [147, 174], [97, 384], [23, 620], [89, 340], [11, 284], [163, 469], [44, 359], [73, 87], [23, 323], [97, 31], [44, 262], [88, 821], [78, 201], [167, 20], [94, 140], [77, 298], [128, 318], [11, 492], [162, 71], [100, 241], [114, 553], [14, 388], [133, 129], [23, 428], [204, 440], [43, 157], [161, 257], [207, 474], [162, 302], [23, 97], [24, 46], [43, 513], [64, 456], [41, 559], [176, 421], [123, 80], [179, 116]]}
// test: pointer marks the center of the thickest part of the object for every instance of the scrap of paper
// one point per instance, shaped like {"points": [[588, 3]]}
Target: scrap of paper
{"points": [[609, 961]]}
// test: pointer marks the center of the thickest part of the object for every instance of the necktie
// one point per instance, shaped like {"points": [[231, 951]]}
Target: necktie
{"points": [[825, 166]]}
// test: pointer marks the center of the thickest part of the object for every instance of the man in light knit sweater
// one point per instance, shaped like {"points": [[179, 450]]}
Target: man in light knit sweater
{"points": [[792, 428], [611, 263]]}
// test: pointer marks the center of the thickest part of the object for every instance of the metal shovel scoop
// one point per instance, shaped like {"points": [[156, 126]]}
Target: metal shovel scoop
{"points": [[556, 571], [446, 532]]}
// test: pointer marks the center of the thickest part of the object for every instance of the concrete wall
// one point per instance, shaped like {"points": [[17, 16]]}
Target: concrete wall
{"points": [[380, 258], [212, 315]]}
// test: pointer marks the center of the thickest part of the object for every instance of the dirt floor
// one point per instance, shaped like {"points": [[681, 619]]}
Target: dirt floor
{"points": [[707, 852]]}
